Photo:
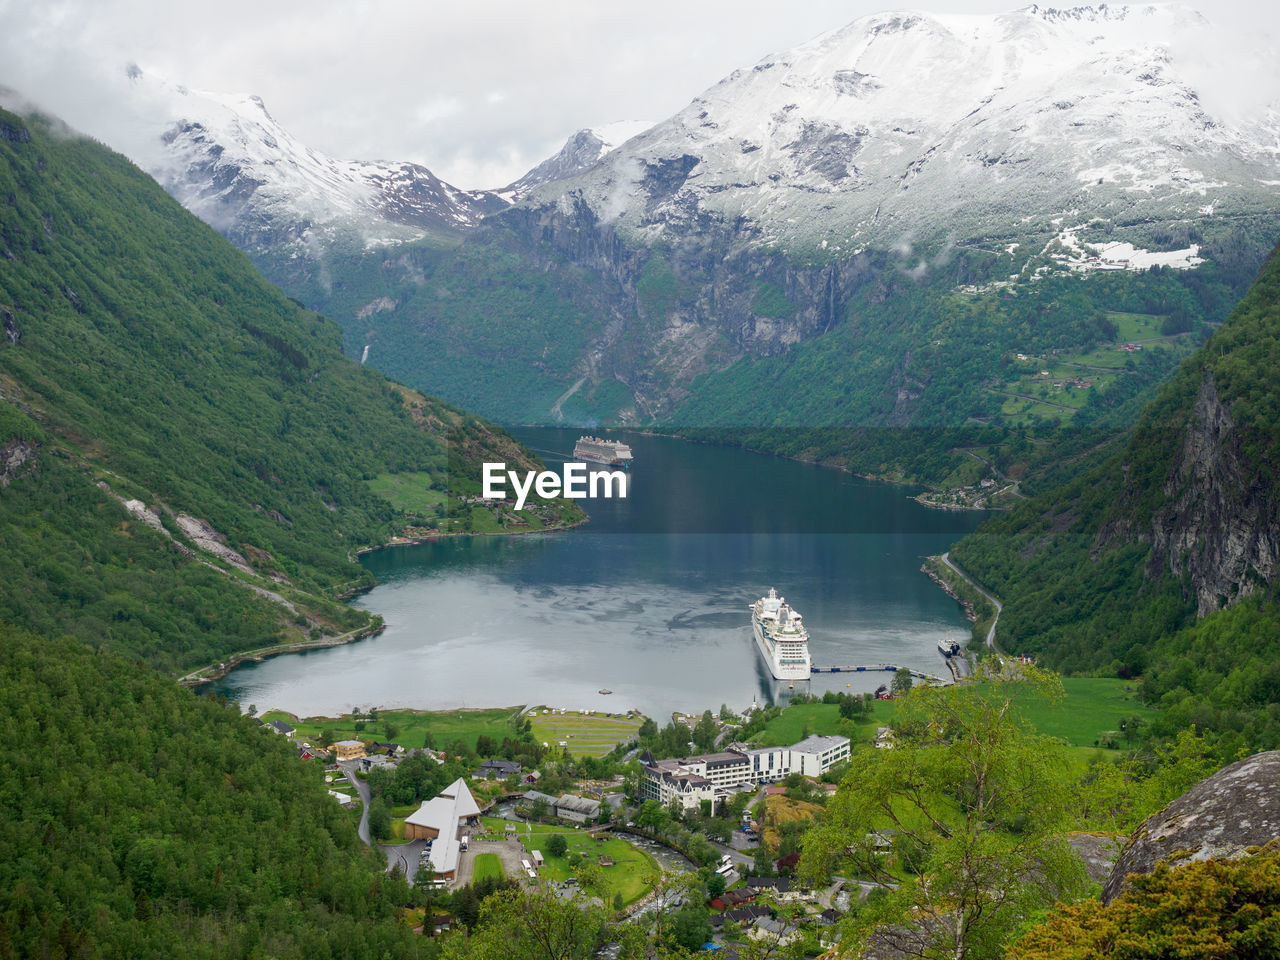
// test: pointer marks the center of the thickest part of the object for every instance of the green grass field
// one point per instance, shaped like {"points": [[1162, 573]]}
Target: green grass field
{"points": [[633, 872], [818, 718], [1136, 326], [487, 865], [410, 492], [410, 726], [1091, 707], [584, 735], [1129, 327]]}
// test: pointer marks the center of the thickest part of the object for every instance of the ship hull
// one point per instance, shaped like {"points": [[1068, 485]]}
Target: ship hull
{"points": [[778, 669], [602, 461]]}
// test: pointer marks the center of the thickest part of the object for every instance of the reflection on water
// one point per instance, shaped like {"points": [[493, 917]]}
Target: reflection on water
{"points": [[655, 613]]}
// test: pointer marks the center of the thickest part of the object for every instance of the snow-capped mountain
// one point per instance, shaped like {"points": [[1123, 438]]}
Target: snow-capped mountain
{"points": [[904, 123], [227, 160], [580, 152]]}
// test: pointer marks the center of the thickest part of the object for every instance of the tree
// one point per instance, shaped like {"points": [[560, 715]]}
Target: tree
{"points": [[901, 683], [538, 809], [762, 864], [532, 925], [557, 845], [704, 731], [978, 800], [391, 730], [379, 820], [648, 729], [715, 885], [692, 927], [652, 815]]}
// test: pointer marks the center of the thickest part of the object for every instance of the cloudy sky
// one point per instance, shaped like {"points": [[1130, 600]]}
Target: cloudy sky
{"points": [[479, 92]]}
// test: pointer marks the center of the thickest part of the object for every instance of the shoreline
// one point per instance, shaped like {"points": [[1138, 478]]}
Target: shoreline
{"points": [[828, 464], [433, 537], [212, 672]]}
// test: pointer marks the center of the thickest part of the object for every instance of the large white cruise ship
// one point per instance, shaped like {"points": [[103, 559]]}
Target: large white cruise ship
{"points": [[611, 452], [781, 637]]}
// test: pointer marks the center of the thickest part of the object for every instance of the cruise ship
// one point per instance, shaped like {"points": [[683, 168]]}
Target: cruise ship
{"points": [[609, 452], [781, 637], [948, 647]]}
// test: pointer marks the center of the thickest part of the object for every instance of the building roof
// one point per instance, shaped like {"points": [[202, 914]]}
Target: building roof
{"points": [[443, 813], [817, 744], [533, 796], [280, 726], [740, 915], [778, 884], [505, 767], [444, 854], [348, 743], [578, 804]]}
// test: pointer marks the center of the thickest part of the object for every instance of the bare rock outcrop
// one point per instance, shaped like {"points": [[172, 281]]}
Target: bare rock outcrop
{"points": [[1221, 817], [1222, 522], [14, 455], [204, 536]]}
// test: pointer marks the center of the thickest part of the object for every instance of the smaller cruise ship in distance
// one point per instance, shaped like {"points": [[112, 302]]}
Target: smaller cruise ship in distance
{"points": [[948, 647], [612, 453], [781, 637]]}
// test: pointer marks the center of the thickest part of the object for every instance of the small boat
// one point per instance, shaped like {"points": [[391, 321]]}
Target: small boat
{"points": [[605, 692]]}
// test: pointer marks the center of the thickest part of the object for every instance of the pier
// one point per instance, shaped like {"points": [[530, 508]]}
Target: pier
{"points": [[877, 668]]}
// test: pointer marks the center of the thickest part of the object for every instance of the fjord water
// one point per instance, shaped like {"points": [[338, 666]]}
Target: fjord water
{"points": [[648, 600]]}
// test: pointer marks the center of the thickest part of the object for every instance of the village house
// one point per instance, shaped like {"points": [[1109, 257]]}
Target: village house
{"points": [[499, 769], [348, 749], [576, 809], [280, 727]]}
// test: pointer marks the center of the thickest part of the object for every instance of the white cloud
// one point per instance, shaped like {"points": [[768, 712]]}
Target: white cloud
{"points": [[474, 91]]}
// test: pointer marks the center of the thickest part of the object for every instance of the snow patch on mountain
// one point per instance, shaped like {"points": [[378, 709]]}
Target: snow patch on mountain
{"points": [[226, 159], [902, 124]]}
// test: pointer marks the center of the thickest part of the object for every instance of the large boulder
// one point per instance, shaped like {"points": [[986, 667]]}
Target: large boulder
{"points": [[1220, 817]]}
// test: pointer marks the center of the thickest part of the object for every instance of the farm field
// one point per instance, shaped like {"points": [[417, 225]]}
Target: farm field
{"points": [[410, 727], [584, 735], [410, 492], [1073, 378]]}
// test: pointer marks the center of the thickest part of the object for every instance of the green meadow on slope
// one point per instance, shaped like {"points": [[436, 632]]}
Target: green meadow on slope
{"points": [[144, 358], [1157, 563]]}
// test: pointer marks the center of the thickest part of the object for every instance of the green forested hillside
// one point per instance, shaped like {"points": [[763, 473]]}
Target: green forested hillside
{"points": [[1125, 569], [143, 358], [143, 821]]}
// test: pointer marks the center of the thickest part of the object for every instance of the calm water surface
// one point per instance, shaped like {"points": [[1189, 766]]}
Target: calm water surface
{"points": [[649, 600]]}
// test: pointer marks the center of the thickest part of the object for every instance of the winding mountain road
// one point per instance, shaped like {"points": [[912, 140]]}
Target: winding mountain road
{"points": [[991, 633], [362, 788]]}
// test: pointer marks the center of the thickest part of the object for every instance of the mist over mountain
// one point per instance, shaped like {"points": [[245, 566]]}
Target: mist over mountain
{"points": [[786, 217]]}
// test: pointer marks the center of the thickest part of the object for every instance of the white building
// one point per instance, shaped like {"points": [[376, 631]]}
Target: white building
{"points": [[690, 780], [770, 764], [814, 756], [440, 820]]}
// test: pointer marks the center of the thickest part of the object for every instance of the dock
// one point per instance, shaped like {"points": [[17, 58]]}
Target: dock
{"points": [[876, 668]]}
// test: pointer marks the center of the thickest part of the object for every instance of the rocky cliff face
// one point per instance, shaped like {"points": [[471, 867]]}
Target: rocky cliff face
{"points": [[699, 308], [1220, 527], [1224, 816]]}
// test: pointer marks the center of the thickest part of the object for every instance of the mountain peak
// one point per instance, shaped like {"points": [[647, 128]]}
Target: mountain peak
{"points": [[905, 123], [581, 151]]}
